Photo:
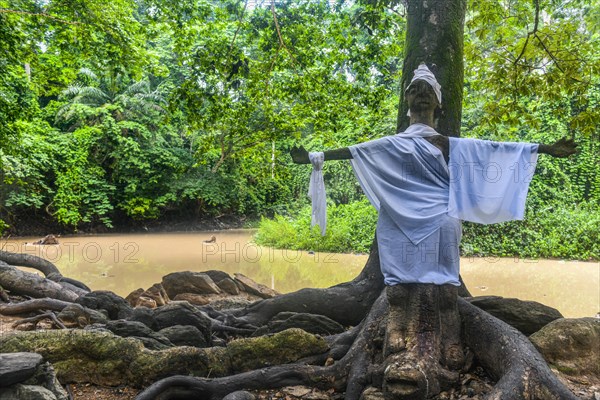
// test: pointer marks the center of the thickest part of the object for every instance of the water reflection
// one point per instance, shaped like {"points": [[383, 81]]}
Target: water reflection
{"points": [[124, 263]]}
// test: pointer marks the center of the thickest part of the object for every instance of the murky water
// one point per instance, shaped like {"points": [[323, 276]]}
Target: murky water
{"points": [[123, 263]]}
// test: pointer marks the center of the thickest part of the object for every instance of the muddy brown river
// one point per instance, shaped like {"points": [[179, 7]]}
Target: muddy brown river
{"points": [[123, 263]]}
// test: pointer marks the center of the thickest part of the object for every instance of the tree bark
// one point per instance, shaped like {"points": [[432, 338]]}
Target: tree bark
{"points": [[33, 285], [434, 35], [28, 260], [507, 354]]}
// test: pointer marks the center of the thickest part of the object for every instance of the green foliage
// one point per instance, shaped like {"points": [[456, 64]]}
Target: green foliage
{"points": [[350, 228], [82, 193], [112, 112], [550, 232]]}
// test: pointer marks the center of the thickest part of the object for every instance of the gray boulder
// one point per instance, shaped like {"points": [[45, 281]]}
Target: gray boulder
{"points": [[183, 313], [184, 335], [18, 367], [526, 316], [144, 315], [113, 305], [26, 392], [572, 345], [189, 282], [26, 376], [311, 323], [240, 395]]}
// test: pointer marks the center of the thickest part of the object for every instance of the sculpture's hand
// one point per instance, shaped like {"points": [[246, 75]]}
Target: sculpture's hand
{"points": [[299, 155], [563, 148]]}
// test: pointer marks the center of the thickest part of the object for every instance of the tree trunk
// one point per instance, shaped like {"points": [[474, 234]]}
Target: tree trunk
{"points": [[434, 35]]}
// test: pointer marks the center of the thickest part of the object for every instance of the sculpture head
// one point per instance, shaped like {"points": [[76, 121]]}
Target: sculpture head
{"points": [[424, 93]]}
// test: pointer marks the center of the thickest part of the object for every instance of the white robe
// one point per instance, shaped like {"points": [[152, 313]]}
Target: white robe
{"points": [[408, 181]]}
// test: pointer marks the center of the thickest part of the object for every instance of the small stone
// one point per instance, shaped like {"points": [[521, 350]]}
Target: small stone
{"points": [[240, 395], [255, 288], [297, 391]]}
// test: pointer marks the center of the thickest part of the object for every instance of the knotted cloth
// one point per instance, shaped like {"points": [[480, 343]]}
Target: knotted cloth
{"points": [[316, 191]]}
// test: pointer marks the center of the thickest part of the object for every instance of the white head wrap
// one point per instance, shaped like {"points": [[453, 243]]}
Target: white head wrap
{"points": [[423, 73]]}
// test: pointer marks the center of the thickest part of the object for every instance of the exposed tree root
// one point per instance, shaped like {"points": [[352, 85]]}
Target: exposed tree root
{"points": [[409, 344], [349, 374], [508, 355], [33, 285], [33, 305], [38, 318], [347, 303], [28, 260], [105, 359], [423, 349]]}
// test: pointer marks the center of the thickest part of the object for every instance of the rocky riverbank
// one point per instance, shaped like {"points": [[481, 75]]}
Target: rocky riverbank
{"points": [[177, 322]]}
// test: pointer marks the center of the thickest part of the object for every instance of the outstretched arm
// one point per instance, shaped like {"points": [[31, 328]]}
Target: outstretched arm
{"points": [[561, 148], [300, 155]]}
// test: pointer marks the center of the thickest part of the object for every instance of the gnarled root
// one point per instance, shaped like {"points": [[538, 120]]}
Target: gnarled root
{"points": [[508, 355], [347, 303], [423, 351], [351, 373]]}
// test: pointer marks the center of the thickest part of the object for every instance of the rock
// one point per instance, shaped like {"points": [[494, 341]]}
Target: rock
{"points": [[138, 330], [571, 345], [297, 391], [183, 313], [155, 296], [157, 293], [75, 315], [255, 288], [184, 335], [217, 276], [145, 315], [230, 302], [115, 306], [312, 323], [144, 301], [293, 344], [26, 392], [195, 299], [526, 316], [132, 298], [18, 367], [25, 376], [189, 282], [228, 286], [46, 376], [240, 395]]}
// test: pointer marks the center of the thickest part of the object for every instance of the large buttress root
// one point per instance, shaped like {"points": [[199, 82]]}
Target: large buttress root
{"points": [[423, 351], [351, 373], [347, 303], [507, 355]]}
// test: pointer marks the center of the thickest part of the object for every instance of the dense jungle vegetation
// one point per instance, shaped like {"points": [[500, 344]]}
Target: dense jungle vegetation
{"points": [[118, 113]]}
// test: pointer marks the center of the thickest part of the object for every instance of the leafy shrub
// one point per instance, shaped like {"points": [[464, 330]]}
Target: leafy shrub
{"points": [[552, 232], [350, 228]]}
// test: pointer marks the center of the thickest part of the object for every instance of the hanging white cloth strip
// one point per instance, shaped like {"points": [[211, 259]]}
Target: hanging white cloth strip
{"points": [[316, 191]]}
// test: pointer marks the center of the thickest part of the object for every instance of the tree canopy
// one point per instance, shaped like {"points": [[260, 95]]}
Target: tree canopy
{"points": [[121, 112]]}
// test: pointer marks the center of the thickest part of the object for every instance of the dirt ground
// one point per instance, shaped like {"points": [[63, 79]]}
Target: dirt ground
{"points": [[581, 386]]}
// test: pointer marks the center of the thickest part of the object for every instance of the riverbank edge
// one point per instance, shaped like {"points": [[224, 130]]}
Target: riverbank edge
{"points": [[42, 228]]}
